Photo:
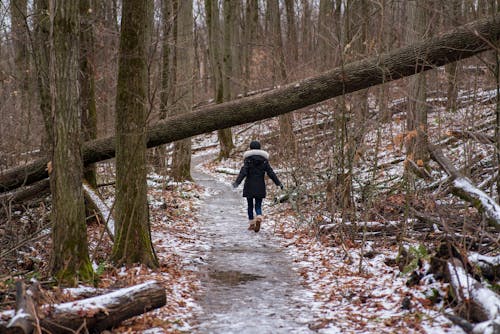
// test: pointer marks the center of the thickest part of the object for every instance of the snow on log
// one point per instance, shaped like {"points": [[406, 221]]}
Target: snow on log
{"points": [[5, 316], [98, 313], [477, 302], [460, 43], [489, 265], [463, 188], [102, 312], [487, 327], [100, 207]]}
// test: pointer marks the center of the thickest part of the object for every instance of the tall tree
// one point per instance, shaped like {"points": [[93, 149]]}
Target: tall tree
{"points": [[325, 33], [22, 97], [452, 10], [181, 159], [166, 95], [70, 260], [222, 64], [280, 75], [416, 119], [41, 57], [250, 33], [87, 83], [132, 236], [291, 33], [306, 22]]}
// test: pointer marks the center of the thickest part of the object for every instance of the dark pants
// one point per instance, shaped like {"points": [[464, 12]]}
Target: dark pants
{"points": [[258, 206]]}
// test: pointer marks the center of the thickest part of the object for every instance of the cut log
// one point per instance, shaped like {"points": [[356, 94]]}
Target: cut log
{"points": [[462, 42], [99, 313], [475, 301], [98, 205], [466, 190]]}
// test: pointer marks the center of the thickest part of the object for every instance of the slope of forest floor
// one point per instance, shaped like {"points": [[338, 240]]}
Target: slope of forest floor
{"points": [[359, 283]]}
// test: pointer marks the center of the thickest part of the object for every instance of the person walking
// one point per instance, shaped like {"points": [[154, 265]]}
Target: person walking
{"points": [[255, 166]]}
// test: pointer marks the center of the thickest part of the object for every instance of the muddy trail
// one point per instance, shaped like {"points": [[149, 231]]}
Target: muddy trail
{"points": [[248, 284]]}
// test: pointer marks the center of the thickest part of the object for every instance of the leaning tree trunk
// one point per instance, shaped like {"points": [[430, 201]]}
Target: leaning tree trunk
{"points": [[463, 42], [132, 236]]}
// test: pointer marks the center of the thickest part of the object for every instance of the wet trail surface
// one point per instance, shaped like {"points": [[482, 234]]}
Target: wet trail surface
{"points": [[248, 282]]}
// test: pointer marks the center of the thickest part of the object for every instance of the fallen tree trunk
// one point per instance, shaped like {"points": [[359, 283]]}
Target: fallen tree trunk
{"points": [[36, 190], [99, 313], [476, 302], [463, 42], [97, 204], [465, 189], [489, 265]]}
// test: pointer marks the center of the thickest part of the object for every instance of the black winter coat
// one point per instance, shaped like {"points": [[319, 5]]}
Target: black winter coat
{"points": [[255, 166]]}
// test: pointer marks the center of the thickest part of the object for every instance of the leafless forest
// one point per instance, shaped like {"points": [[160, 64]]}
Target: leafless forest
{"points": [[387, 145]]}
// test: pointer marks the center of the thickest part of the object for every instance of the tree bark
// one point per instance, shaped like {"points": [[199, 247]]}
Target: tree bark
{"points": [[132, 236], [416, 119], [87, 83], [69, 258], [184, 48], [41, 57], [225, 136], [280, 76], [463, 42]]}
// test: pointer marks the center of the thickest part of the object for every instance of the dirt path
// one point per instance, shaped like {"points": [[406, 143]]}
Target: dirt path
{"points": [[249, 285]]}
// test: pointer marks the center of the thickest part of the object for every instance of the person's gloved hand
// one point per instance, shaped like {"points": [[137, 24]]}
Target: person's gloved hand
{"points": [[235, 185]]}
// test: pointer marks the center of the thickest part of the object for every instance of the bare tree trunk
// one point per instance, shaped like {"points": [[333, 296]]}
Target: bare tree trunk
{"points": [[292, 42], [132, 236], [87, 83], [228, 92], [306, 40], [325, 34], [181, 159], [69, 259], [461, 43], [287, 137], [22, 96], [41, 57], [416, 148]]}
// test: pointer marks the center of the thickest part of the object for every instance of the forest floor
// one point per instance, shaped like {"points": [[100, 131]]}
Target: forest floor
{"points": [[290, 277]]}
